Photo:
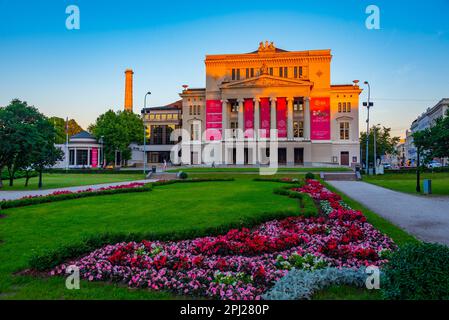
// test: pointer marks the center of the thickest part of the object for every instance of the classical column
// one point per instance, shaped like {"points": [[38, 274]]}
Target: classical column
{"points": [[241, 124], [224, 117], [307, 119], [256, 118], [290, 118], [273, 114]]}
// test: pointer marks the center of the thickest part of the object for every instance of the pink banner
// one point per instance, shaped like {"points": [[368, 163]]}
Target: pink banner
{"points": [[213, 119], [249, 118], [281, 117], [320, 119], [94, 159], [265, 117]]}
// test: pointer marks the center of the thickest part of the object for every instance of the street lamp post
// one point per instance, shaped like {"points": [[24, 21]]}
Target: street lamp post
{"points": [[145, 135], [375, 149], [368, 105], [102, 151]]}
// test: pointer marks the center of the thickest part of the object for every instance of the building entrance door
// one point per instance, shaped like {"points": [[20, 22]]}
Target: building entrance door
{"points": [[282, 156], [299, 155], [234, 156], [344, 158]]}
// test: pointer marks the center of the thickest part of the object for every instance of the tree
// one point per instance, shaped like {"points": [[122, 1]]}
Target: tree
{"points": [[431, 143], [118, 129], [385, 144], [27, 139], [60, 126]]}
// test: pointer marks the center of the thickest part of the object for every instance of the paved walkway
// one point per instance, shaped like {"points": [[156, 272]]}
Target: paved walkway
{"points": [[12, 195], [427, 218]]}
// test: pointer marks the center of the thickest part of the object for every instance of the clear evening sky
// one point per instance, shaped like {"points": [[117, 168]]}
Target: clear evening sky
{"points": [[80, 73]]}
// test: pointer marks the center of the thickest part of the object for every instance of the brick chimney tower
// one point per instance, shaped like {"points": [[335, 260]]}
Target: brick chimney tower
{"points": [[129, 90]]}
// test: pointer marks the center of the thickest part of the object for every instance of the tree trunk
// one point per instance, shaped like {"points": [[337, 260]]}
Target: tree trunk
{"points": [[11, 173], [40, 179], [27, 178]]}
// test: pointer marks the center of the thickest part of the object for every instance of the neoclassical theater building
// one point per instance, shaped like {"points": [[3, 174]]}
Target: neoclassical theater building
{"points": [[271, 88]]}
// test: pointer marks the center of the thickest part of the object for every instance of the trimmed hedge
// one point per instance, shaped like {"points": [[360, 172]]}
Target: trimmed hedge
{"points": [[94, 171], [280, 180], [18, 175], [45, 260], [413, 170], [69, 196], [417, 272], [307, 204]]}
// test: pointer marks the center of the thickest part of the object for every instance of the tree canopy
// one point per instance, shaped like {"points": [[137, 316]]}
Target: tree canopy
{"points": [[118, 129], [27, 139], [385, 143], [60, 124], [433, 142]]}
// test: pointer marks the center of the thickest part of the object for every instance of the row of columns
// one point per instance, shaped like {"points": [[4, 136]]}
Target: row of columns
{"points": [[273, 121]]}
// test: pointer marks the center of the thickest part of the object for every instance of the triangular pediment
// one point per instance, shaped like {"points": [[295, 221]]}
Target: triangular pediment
{"points": [[266, 81]]}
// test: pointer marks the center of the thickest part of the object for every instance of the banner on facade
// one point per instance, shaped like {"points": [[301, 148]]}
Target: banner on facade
{"points": [[281, 117], [265, 117], [320, 118], [248, 117], [94, 158], [213, 120]]}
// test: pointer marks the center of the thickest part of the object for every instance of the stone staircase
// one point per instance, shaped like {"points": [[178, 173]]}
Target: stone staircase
{"points": [[339, 176]]}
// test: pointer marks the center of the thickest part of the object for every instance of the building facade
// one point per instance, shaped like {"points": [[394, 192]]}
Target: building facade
{"points": [[160, 123], [424, 121], [290, 91]]}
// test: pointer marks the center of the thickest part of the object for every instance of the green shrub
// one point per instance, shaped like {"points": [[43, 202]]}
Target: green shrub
{"points": [[310, 175], [417, 272], [183, 175]]}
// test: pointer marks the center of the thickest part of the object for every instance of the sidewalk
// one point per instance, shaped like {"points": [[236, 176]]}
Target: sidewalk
{"points": [[12, 195], [426, 218]]}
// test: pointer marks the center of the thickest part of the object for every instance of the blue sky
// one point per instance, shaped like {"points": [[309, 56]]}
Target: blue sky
{"points": [[79, 73]]}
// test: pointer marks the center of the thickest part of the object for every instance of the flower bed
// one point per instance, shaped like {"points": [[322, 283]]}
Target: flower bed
{"points": [[243, 264]]}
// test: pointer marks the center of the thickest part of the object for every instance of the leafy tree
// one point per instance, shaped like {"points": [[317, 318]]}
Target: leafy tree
{"points": [[431, 143], [27, 140], [60, 126], [385, 143], [118, 129]]}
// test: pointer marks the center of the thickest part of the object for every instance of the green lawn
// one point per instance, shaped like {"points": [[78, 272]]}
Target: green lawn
{"points": [[170, 208], [252, 169], [406, 182], [58, 180]]}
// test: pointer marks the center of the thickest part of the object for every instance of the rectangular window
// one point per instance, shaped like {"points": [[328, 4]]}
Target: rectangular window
{"points": [[71, 157], [233, 74], [295, 72], [252, 72], [281, 71], [247, 73], [235, 107], [298, 129], [190, 110], [339, 107], [285, 72], [271, 71], [300, 72], [344, 130], [238, 74], [198, 110], [344, 106], [348, 107]]}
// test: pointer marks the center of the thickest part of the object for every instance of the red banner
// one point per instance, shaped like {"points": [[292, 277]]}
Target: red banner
{"points": [[281, 117], [265, 117], [249, 118], [94, 160], [320, 118], [213, 119]]}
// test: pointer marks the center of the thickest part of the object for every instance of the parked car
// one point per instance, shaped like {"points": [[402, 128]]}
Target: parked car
{"points": [[434, 164]]}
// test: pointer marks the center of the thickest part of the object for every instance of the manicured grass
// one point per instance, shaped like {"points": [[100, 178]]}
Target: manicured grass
{"points": [[171, 208], [251, 169], [406, 182], [58, 180], [398, 235]]}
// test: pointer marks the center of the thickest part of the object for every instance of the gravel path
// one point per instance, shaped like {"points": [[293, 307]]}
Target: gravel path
{"points": [[427, 218], [12, 195]]}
